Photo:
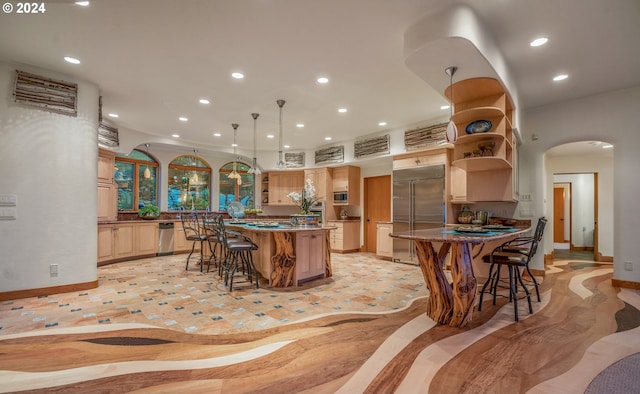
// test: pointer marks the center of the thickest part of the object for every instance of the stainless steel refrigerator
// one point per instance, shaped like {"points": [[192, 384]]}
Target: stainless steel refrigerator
{"points": [[418, 203]]}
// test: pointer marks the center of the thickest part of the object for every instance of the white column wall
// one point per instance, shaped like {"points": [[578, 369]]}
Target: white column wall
{"points": [[49, 161]]}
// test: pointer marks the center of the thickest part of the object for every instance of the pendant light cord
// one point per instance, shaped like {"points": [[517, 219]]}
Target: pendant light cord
{"points": [[254, 167], [280, 161]]}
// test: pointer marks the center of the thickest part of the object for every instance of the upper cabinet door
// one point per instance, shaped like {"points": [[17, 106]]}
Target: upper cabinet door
{"points": [[106, 161]]}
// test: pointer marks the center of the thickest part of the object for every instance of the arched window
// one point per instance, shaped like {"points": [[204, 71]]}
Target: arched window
{"points": [[189, 183], [236, 189], [136, 175]]}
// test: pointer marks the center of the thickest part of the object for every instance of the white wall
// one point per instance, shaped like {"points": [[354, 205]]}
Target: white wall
{"points": [[49, 161], [582, 215], [611, 117]]}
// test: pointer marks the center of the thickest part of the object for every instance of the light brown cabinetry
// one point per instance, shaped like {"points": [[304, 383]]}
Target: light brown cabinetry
{"points": [[420, 159], [458, 179], [281, 183], [346, 237], [115, 241], [146, 238], [489, 176], [122, 241], [310, 255], [107, 189], [322, 180], [347, 179], [384, 243]]}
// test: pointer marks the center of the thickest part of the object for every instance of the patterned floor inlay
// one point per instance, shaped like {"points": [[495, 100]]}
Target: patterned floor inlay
{"points": [[152, 327], [160, 292]]}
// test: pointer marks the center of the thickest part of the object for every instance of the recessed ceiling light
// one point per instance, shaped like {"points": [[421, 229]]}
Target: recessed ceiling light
{"points": [[204, 101], [539, 41], [234, 145], [286, 146], [269, 135], [323, 80], [82, 3], [175, 135], [237, 75], [342, 110], [183, 119], [327, 138], [560, 77], [114, 115], [300, 125], [607, 146], [72, 60], [445, 106], [217, 134], [382, 123]]}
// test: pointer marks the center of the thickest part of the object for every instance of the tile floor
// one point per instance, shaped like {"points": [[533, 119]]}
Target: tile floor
{"points": [[158, 291]]}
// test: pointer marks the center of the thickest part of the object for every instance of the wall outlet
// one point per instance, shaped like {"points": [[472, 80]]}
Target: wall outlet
{"points": [[628, 266], [53, 270]]}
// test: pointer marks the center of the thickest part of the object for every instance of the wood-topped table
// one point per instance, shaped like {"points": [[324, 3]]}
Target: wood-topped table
{"points": [[452, 304]]}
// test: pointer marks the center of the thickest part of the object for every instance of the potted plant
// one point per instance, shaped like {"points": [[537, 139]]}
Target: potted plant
{"points": [[149, 212]]}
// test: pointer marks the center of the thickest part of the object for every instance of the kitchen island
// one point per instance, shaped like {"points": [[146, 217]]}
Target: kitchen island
{"points": [[288, 255], [452, 303]]}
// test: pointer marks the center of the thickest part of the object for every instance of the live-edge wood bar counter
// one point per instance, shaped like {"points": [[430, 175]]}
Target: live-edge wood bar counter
{"points": [[289, 255], [452, 304]]}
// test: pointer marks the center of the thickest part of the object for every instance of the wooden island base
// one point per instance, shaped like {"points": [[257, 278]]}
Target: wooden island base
{"points": [[283, 261], [451, 303], [290, 255]]}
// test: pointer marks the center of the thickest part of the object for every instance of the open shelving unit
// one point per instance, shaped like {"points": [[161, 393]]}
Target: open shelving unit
{"points": [[489, 176]]}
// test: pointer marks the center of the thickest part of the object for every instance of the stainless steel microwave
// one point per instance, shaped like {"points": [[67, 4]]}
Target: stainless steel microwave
{"points": [[340, 198]]}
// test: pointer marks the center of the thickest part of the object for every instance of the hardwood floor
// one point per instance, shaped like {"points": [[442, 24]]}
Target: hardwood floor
{"points": [[369, 334]]}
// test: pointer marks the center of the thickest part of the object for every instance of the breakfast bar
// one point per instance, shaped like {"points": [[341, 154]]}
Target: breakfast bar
{"points": [[452, 304], [288, 255]]}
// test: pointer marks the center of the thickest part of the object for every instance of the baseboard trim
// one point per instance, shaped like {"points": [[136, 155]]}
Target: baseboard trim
{"points": [[625, 283], [605, 259], [548, 258], [345, 251], [120, 260], [45, 291], [582, 248]]}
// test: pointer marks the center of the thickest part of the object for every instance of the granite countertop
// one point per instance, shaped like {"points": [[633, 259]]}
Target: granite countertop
{"points": [[447, 234], [282, 227]]}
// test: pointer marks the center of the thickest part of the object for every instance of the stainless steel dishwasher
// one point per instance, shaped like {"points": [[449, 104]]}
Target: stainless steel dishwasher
{"points": [[165, 239]]}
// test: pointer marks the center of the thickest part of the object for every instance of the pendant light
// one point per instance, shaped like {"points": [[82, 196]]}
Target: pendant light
{"points": [[234, 174], [452, 131], [147, 172], [254, 166], [195, 174], [280, 161]]}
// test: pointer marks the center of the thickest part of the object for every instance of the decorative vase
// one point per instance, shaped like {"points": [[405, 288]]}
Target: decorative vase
{"points": [[466, 215], [304, 219]]}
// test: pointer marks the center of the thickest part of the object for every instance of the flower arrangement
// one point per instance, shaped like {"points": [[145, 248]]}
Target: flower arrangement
{"points": [[305, 200]]}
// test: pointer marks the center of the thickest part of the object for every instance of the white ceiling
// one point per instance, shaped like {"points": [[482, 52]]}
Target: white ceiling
{"points": [[154, 59]]}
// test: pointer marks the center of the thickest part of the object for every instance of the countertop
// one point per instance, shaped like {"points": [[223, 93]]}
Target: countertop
{"points": [[445, 234], [282, 227]]}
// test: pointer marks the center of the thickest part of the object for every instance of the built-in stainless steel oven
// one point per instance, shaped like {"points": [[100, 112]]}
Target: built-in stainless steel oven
{"points": [[340, 198]]}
